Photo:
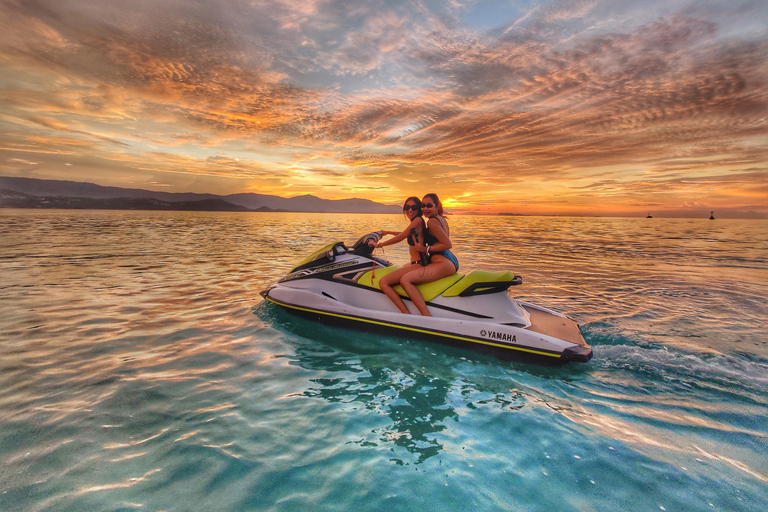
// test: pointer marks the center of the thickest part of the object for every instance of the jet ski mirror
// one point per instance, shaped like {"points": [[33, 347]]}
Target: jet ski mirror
{"points": [[337, 249]]}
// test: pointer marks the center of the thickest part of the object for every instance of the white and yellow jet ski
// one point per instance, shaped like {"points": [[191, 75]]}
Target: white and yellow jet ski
{"points": [[341, 286]]}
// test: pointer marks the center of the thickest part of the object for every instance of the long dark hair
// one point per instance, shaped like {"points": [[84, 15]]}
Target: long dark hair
{"points": [[437, 202], [416, 200]]}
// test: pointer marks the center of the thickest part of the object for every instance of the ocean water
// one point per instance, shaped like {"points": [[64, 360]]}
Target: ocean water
{"points": [[141, 370]]}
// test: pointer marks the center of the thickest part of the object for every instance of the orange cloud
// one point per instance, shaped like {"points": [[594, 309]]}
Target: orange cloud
{"points": [[579, 107]]}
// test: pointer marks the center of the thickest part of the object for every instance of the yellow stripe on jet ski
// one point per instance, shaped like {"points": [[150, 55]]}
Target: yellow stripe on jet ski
{"points": [[407, 328]]}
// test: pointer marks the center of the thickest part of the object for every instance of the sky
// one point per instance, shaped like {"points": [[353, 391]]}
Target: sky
{"points": [[562, 107]]}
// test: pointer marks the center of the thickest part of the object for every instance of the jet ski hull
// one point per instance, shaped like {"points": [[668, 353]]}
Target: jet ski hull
{"points": [[471, 332], [340, 286]]}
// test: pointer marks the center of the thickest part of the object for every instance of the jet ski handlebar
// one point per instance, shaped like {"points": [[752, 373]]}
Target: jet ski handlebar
{"points": [[367, 243]]}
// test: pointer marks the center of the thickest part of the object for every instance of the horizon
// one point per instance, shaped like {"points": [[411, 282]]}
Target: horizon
{"points": [[605, 108], [698, 214]]}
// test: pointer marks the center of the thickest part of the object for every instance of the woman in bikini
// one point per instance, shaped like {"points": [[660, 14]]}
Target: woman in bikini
{"points": [[413, 213]]}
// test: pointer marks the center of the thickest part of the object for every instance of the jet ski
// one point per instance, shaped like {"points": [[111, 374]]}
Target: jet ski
{"points": [[341, 285]]}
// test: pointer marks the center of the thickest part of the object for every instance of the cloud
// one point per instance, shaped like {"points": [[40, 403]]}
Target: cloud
{"points": [[565, 92], [21, 161]]}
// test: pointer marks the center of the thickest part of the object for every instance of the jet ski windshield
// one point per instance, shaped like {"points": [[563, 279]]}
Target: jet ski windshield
{"points": [[325, 255]]}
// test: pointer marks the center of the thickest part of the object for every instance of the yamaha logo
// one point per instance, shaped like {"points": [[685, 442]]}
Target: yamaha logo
{"points": [[501, 336]]}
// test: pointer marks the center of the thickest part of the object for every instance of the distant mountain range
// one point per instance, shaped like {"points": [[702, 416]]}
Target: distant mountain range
{"points": [[34, 193]]}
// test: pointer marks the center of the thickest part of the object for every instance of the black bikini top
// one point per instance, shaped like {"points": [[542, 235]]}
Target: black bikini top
{"points": [[423, 230], [429, 238]]}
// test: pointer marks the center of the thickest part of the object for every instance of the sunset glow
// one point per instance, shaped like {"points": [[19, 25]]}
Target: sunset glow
{"points": [[573, 107]]}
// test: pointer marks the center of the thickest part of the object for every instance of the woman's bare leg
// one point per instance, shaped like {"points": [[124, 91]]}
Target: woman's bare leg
{"points": [[439, 268], [387, 282]]}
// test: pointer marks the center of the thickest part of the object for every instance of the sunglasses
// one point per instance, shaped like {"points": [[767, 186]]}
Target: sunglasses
{"points": [[411, 207], [428, 205]]}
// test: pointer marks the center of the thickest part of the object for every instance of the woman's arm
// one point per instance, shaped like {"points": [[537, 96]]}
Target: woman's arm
{"points": [[399, 237]]}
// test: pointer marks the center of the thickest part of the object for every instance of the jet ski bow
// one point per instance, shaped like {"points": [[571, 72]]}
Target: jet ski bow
{"points": [[340, 285]]}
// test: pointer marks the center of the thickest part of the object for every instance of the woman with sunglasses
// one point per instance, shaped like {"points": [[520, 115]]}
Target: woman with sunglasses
{"points": [[413, 213], [437, 245]]}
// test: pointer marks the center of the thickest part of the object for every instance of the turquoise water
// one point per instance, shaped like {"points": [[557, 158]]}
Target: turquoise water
{"points": [[140, 370]]}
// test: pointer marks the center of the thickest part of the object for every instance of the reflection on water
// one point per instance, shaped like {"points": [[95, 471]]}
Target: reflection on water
{"points": [[415, 403], [140, 369], [425, 389], [414, 398]]}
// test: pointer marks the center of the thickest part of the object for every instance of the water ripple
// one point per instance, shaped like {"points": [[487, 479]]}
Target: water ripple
{"points": [[140, 369]]}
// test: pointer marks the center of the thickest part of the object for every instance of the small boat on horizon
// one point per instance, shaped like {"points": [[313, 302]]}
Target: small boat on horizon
{"points": [[711, 215]]}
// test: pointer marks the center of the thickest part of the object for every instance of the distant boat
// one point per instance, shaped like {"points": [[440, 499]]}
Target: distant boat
{"points": [[649, 216], [711, 215]]}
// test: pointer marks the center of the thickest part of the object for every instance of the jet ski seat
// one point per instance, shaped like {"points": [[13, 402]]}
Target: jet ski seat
{"points": [[428, 290], [480, 282], [477, 282]]}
